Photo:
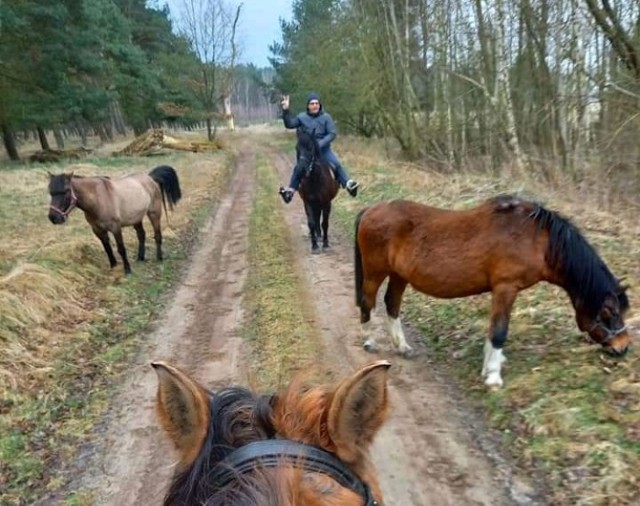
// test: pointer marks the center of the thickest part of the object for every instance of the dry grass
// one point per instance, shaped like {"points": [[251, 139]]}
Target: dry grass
{"points": [[566, 409], [67, 322]]}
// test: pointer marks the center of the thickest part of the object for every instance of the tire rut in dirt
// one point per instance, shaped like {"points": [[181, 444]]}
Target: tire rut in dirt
{"points": [[200, 331]]}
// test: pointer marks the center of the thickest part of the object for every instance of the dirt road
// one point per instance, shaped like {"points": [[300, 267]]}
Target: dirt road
{"points": [[428, 454]]}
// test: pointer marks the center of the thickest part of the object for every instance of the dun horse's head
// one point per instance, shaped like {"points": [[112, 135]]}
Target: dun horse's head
{"points": [[607, 327], [63, 198], [307, 445]]}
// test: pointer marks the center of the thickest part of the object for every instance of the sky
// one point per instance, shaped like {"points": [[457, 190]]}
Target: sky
{"points": [[259, 27]]}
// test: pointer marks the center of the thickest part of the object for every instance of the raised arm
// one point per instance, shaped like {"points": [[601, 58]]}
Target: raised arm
{"points": [[290, 121]]}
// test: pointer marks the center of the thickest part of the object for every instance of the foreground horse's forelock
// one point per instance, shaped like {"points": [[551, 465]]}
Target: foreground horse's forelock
{"points": [[322, 435]]}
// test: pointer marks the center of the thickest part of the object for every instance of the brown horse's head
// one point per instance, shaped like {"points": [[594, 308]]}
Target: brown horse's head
{"points": [[607, 327], [307, 445], [63, 198]]}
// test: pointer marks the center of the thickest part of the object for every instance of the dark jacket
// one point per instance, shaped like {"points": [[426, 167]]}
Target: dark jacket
{"points": [[322, 123]]}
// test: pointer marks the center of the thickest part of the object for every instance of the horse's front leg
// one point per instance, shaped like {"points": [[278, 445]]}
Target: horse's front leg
{"points": [[313, 226], [326, 212], [103, 235], [502, 300], [122, 250]]}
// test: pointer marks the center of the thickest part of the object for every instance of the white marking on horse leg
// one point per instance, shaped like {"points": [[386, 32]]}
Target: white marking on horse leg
{"points": [[398, 338], [493, 360], [367, 335]]}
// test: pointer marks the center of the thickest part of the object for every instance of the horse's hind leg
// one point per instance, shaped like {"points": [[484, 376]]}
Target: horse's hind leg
{"points": [[122, 250], [502, 301], [393, 300], [154, 218], [141, 240], [370, 287], [326, 212]]}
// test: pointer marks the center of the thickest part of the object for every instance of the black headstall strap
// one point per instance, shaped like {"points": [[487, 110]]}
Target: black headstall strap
{"points": [[273, 452]]}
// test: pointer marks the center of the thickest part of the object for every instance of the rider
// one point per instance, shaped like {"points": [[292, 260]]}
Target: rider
{"points": [[315, 119]]}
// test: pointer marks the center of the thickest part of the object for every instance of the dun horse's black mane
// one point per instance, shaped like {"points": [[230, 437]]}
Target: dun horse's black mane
{"points": [[587, 279], [238, 417]]}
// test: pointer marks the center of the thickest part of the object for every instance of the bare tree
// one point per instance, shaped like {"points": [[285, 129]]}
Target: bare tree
{"points": [[211, 29]]}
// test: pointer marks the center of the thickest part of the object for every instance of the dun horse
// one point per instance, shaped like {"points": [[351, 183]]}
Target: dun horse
{"points": [[317, 188], [503, 246], [305, 446], [110, 204]]}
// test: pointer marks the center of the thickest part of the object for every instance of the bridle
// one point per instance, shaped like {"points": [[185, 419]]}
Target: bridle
{"points": [[611, 333], [273, 453], [72, 204]]}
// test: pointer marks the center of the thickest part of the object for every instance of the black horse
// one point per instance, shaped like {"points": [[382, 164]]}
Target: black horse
{"points": [[317, 188]]}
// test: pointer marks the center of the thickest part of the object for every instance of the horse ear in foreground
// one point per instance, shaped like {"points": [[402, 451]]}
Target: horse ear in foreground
{"points": [[305, 446], [317, 188], [503, 246], [110, 204]]}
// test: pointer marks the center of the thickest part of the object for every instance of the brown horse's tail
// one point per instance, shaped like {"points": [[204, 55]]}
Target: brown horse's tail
{"points": [[167, 180], [358, 262]]}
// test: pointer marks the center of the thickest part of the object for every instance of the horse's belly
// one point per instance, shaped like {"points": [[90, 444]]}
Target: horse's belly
{"points": [[133, 204], [448, 283]]}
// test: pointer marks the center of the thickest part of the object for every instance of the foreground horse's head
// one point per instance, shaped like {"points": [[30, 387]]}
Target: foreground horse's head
{"points": [[63, 198], [304, 446]]}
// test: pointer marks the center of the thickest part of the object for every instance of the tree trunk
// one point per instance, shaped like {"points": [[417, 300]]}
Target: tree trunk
{"points": [[57, 134], [42, 136], [10, 143]]}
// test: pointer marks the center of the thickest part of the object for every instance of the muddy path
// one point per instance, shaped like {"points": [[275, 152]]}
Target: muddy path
{"points": [[430, 452], [131, 464]]}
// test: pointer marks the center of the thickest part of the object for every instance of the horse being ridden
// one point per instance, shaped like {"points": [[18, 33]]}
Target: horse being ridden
{"points": [[503, 246], [317, 187], [110, 204], [306, 445]]}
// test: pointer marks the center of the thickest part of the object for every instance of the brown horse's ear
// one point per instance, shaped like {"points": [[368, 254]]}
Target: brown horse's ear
{"points": [[358, 410], [182, 405]]}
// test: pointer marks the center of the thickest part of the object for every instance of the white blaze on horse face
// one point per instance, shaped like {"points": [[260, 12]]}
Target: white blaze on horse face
{"points": [[493, 360], [369, 341], [397, 335]]}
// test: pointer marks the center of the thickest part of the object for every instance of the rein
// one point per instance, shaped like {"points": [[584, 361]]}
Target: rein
{"points": [[72, 205], [272, 453]]}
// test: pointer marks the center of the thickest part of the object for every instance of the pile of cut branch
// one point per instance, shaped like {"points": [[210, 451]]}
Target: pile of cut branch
{"points": [[153, 141], [56, 155]]}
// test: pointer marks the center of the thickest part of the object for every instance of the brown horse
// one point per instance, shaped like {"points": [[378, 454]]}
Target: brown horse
{"points": [[503, 246], [110, 204], [306, 446], [317, 188]]}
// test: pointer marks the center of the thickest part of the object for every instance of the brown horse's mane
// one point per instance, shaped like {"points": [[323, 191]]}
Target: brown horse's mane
{"points": [[586, 277], [238, 417]]}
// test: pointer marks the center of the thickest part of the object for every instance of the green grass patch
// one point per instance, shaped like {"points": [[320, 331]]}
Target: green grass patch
{"points": [[69, 324], [279, 322], [566, 408]]}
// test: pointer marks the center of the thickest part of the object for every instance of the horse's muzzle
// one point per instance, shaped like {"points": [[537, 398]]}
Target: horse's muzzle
{"points": [[615, 352], [57, 218]]}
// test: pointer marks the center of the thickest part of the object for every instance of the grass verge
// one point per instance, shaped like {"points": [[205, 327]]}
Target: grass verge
{"points": [[279, 321], [566, 409], [68, 325]]}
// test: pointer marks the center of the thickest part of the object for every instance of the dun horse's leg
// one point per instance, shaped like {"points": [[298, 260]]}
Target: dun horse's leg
{"points": [[502, 301], [141, 239], [157, 234], [325, 225], [393, 300], [103, 235], [370, 288], [122, 250]]}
